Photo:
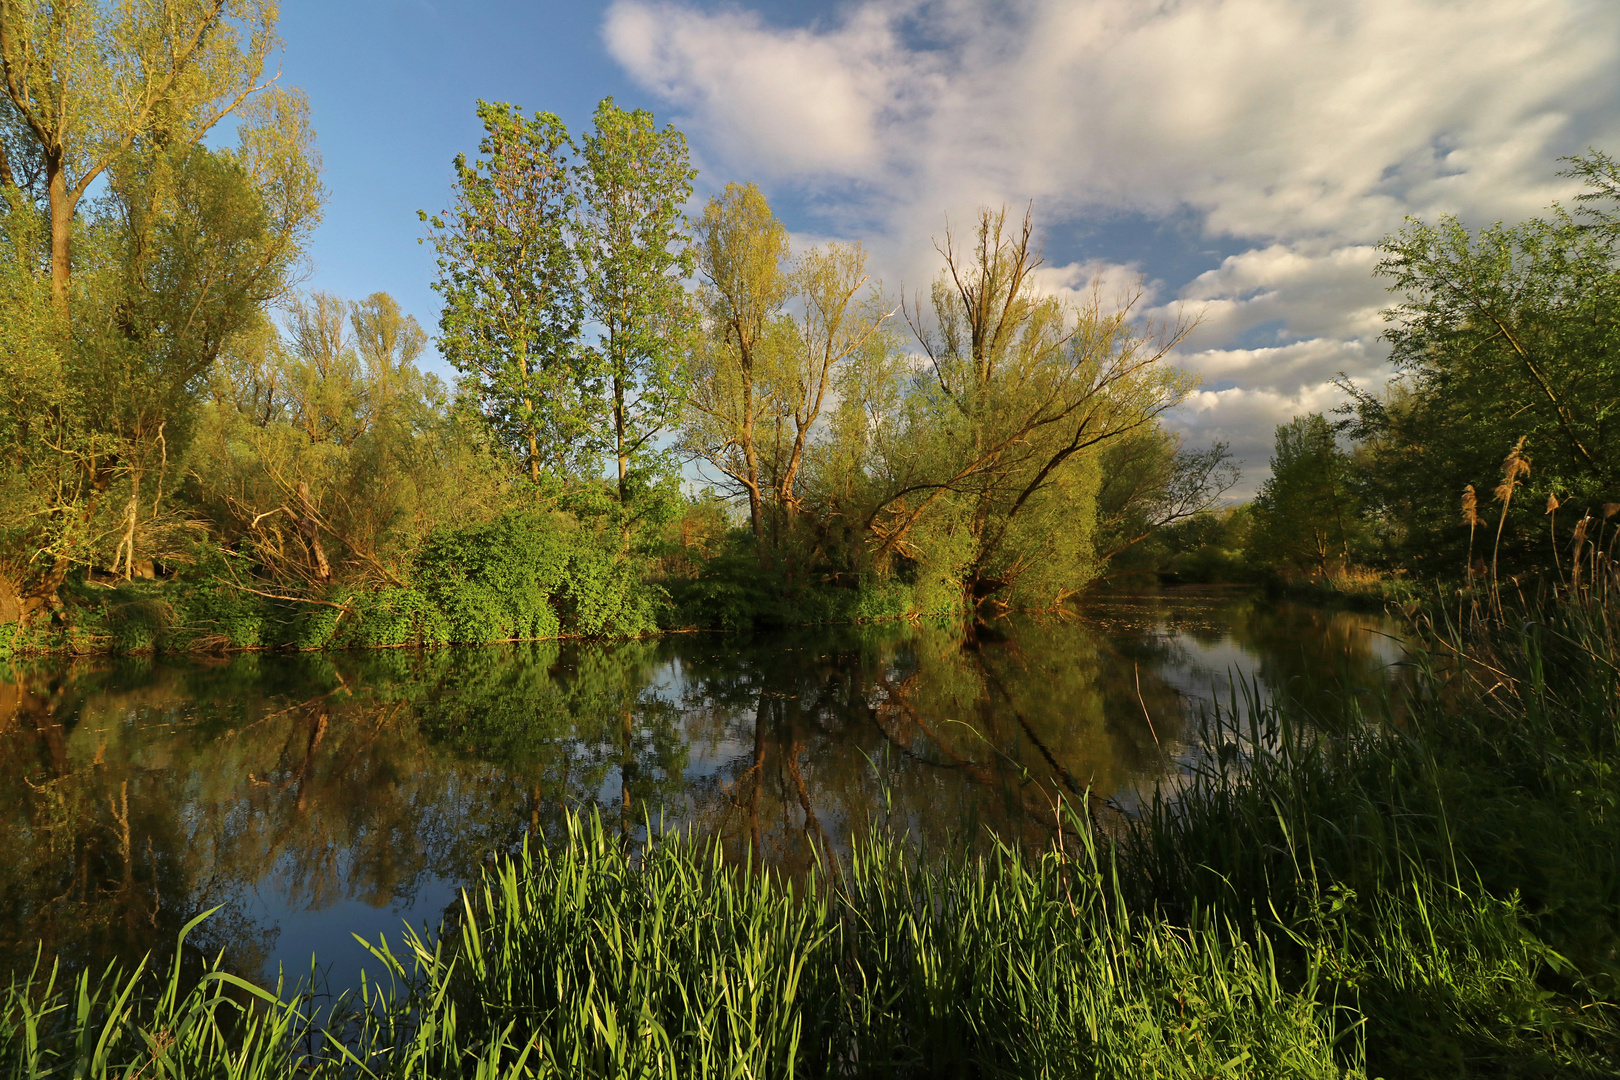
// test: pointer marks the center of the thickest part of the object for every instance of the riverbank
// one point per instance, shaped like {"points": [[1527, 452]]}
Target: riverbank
{"points": [[1436, 897], [219, 617]]}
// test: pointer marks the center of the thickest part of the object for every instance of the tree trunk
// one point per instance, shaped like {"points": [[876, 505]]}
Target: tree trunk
{"points": [[622, 453], [61, 229], [311, 530], [11, 602], [126, 548]]}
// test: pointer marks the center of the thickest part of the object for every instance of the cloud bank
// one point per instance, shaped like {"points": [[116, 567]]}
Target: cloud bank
{"points": [[1295, 133]]}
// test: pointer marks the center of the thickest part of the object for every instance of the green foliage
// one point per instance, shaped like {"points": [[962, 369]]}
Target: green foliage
{"points": [[246, 621], [397, 616], [179, 253], [732, 589], [522, 576], [1151, 486], [323, 439], [535, 575], [494, 582], [1306, 516], [316, 625], [604, 594], [1207, 548], [741, 246], [511, 289], [634, 179], [1508, 332], [974, 479]]}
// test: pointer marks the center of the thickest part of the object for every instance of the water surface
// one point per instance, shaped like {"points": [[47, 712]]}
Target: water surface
{"points": [[314, 796]]}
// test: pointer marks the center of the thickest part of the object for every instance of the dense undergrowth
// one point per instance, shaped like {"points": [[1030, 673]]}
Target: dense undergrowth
{"points": [[1433, 895], [521, 576]]}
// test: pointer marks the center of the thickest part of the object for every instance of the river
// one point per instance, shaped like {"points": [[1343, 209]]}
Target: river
{"points": [[314, 796]]}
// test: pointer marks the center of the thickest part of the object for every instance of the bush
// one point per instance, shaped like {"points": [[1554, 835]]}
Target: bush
{"points": [[602, 595]]}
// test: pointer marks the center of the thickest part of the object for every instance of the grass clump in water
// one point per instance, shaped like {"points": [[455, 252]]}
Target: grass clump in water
{"points": [[584, 961]]}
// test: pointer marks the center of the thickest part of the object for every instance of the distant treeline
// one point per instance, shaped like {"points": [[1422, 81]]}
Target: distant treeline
{"points": [[1495, 448]]}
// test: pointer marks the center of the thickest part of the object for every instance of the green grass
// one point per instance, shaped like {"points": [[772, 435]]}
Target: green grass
{"points": [[1434, 892]]}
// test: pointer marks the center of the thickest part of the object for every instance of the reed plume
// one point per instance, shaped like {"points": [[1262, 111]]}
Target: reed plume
{"points": [[1581, 527], [1552, 527], [1470, 518], [1514, 468]]}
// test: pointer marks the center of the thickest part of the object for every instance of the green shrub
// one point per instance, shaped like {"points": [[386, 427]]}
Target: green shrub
{"points": [[317, 624], [886, 599], [604, 594], [494, 582], [394, 616], [210, 609]]}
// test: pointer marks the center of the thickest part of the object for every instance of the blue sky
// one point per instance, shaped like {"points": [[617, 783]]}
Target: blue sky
{"points": [[1240, 159]]}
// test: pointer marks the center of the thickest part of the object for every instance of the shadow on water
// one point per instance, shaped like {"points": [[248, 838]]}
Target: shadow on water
{"points": [[311, 796]]}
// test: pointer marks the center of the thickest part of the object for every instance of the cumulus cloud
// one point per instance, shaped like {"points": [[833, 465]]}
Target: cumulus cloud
{"points": [[791, 103], [1305, 129], [1246, 419], [1110, 285], [1290, 368], [1290, 292]]}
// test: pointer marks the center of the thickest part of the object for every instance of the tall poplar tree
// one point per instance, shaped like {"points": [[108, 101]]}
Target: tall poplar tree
{"points": [[513, 303], [634, 180]]}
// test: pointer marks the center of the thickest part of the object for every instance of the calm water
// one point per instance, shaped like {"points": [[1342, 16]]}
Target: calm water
{"points": [[311, 796]]}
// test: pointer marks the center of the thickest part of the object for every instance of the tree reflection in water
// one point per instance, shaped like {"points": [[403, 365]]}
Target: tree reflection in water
{"points": [[135, 793]]}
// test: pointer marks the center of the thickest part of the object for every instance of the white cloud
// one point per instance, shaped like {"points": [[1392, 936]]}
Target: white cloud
{"points": [[1310, 295], [1113, 285], [1247, 420], [1284, 368], [1306, 128], [788, 103]]}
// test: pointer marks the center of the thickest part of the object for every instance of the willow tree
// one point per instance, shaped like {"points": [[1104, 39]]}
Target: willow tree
{"points": [[180, 252], [389, 343], [511, 285], [91, 80], [325, 454], [741, 248], [992, 475], [1503, 332], [634, 180], [839, 316]]}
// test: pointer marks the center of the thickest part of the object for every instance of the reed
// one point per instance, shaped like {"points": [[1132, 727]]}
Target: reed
{"points": [[1470, 518], [1515, 467], [146, 1023]]}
